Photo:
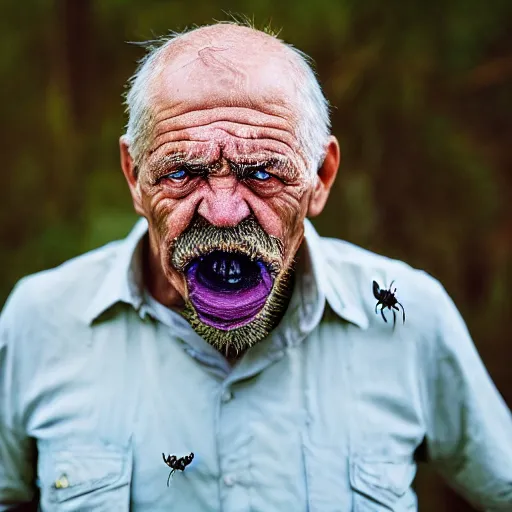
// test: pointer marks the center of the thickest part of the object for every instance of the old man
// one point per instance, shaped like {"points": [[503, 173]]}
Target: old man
{"points": [[224, 340]]}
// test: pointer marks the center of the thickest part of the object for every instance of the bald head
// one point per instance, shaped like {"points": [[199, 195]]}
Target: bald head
{"points": [[231, 65], [245, 40], [227, 65], [235, 59]]}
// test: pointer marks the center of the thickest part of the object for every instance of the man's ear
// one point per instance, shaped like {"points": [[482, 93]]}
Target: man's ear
{"points": [[130, 173], [325, 178]]}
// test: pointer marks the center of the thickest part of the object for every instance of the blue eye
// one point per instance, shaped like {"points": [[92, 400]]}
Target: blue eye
{"points": [[179, 174], [260, 175]]}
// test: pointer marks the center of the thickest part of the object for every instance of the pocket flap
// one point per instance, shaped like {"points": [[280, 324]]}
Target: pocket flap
{"points": [[70, 472], [383, 482]]}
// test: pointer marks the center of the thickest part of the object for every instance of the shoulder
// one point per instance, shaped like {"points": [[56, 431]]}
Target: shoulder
{"points": [[59, 292], [362, 267], [433, 321], [351, 270]]}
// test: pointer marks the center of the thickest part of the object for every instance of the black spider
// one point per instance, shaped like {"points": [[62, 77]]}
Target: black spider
{"points": [[177, 464], [388, 300]]}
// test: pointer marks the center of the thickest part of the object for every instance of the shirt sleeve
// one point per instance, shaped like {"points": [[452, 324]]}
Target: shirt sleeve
{"points": [[17, 450], [469, 433]]}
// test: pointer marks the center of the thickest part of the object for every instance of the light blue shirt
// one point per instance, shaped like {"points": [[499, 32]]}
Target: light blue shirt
{"points": [[97, 380]]}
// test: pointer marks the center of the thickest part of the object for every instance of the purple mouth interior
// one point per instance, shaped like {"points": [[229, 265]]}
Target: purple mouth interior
{"points": [[227, 289]]}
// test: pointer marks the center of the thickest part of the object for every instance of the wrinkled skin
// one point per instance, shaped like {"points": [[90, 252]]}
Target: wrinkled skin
{"points": [[216, 113]]}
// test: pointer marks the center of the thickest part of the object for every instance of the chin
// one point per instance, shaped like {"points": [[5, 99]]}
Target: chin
{"points": [[237, 288]]}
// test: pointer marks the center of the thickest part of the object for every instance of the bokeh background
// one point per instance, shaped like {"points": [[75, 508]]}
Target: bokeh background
{"points": [[422, 104]]}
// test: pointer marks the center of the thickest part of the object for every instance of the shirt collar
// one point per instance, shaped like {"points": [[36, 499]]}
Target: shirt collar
{"points": [[123, 282], [335, 278]]}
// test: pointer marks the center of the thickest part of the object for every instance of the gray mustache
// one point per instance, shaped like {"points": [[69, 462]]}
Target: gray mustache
{"points": [[247, 237]]}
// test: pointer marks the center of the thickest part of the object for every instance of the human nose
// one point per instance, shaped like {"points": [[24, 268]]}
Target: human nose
{"points": [[222, 204]]}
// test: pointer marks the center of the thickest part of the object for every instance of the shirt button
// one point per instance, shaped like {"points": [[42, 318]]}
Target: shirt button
{"points": [[226, 396], [61, 482], [229, 480]]}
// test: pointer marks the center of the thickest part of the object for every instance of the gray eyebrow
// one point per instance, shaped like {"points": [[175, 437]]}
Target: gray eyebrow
{"points": [[163, 162], [287, 171], [160, 166]]}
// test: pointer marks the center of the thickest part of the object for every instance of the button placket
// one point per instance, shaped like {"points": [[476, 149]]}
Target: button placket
{"points": [[233, 452]]}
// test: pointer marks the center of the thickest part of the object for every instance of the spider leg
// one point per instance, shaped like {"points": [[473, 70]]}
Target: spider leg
{"points": [[394, 319], [376, 289], [376, 312], [403, 311], [169, 477], [391, 284], [163, 457], [382, 313]]}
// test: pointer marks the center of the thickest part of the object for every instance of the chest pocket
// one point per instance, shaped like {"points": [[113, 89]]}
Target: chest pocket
{"points": [[382, 486], [85, 478], [337, 482]]}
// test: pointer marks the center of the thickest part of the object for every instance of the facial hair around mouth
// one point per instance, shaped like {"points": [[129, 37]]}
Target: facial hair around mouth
{"points": [[237, 289]]}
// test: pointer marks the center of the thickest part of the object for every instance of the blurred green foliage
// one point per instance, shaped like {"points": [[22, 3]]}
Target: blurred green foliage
{"points": [[422, 104]]}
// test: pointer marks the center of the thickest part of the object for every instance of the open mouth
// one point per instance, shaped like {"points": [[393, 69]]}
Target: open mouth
{"points": [[228, 289]]}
